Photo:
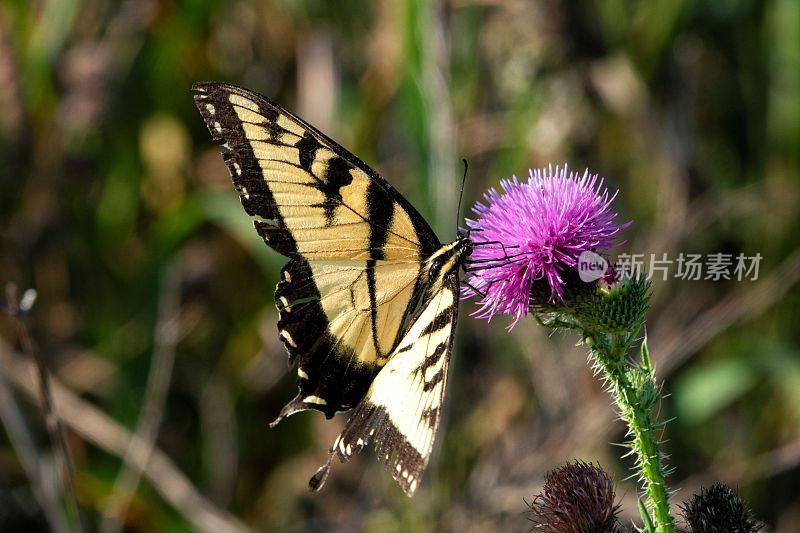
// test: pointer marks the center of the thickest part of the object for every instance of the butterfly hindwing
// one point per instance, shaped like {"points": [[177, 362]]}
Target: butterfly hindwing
{"points": [[340, 320], [401, 411]]}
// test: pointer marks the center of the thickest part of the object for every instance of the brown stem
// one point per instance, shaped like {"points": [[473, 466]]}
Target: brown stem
{"points": [[55, 430]]}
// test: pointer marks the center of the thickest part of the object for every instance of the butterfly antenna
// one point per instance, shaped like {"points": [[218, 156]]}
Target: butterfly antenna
{"points": [[475, 289], [461, 194]]}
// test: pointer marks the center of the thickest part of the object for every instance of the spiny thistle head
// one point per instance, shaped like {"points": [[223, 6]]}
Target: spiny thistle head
{"points": [[719, 510], [622, 306], [577, 498], [535, 231], [596, 306]]}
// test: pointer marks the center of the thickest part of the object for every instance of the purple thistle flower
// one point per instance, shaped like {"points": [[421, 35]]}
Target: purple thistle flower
{"points": [[536, 231]]}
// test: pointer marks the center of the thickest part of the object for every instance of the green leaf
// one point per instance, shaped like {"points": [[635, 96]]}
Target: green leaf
{"points": [[648, 522], [224, 209], [706, 389], [647, 363]]}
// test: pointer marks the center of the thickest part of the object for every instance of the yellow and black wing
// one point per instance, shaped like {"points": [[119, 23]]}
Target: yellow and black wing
{"points": [[401, 411], [355, 245]]}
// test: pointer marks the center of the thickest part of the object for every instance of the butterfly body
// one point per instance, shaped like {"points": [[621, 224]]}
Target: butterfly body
{"points": [[368, 300]]}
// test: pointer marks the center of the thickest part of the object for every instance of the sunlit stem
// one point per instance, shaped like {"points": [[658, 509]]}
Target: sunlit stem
{"points": [[634, 390]]}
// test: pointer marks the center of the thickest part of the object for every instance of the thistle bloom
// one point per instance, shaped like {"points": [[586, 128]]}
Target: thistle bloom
{"points": [[536, 231]]}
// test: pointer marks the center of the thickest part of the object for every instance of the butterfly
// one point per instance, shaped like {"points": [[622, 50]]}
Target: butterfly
{"points": [[368, 300]]}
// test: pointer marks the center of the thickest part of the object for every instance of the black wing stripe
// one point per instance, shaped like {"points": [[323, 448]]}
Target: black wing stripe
{"points": [[336, 177], [441, 320], [244, 168]]}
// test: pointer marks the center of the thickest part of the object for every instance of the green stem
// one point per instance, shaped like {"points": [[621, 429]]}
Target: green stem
{"points": [[635, 393]]}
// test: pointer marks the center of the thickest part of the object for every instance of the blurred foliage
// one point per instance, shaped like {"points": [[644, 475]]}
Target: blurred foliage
{"points": [[691, 109]]}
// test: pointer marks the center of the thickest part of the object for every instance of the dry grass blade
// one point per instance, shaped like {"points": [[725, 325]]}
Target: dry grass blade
{"points": [[31, 461], [16, 307], [96, 427], [155, 396]]}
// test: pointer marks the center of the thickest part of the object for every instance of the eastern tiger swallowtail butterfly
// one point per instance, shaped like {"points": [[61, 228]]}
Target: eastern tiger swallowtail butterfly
{"points": [[368, 300]]}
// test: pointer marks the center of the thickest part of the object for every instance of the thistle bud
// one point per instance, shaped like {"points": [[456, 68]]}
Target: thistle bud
{"points": [[577, 497], [719, 510]]}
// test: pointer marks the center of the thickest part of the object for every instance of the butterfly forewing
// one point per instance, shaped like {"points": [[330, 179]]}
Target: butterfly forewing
{"points": [[315, 198]]}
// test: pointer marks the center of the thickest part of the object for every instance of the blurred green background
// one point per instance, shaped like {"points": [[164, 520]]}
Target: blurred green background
{"points": [[155, 294]]}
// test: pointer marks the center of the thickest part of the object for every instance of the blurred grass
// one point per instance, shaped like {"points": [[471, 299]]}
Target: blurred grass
{"points": [[691, 108]]}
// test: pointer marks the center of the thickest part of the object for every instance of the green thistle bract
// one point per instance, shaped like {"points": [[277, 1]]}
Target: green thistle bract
{"points": [[595, 306], [622, 307]]}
